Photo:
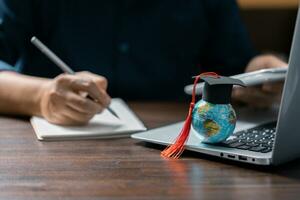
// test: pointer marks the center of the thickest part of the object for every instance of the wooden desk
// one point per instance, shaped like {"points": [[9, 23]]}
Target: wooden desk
{"points": [[127, 169], [269, 4]]}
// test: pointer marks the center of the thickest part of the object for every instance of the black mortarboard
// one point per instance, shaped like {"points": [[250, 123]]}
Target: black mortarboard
{"points": [[217, 90]]}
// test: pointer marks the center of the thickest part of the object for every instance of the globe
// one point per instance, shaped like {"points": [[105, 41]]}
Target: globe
{"points": [[213, 123]]}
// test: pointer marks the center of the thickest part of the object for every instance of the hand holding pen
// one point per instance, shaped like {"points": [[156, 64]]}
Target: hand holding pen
{"points": [[63, 101]]}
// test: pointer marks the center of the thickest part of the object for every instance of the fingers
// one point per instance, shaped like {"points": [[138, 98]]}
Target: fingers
{"points": [[100, 81], [275, 88], [90, 87], [72, 116], [265, 61], [78, 84], [83, 105], [255, 97], [72, 109]]}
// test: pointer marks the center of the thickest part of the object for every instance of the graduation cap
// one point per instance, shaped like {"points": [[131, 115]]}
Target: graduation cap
{"points": [[217, 90]]}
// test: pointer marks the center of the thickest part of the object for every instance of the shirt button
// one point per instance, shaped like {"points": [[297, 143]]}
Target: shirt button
{"points": [[124, 47]]}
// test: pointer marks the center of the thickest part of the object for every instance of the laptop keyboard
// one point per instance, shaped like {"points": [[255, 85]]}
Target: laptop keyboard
{"points": [[258, 139]]}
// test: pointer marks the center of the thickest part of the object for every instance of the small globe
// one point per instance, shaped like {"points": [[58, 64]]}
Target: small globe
{"points": [[213, 123]]}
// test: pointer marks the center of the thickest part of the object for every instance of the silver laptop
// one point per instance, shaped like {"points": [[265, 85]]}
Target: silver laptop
{"points": [[257, 142]]}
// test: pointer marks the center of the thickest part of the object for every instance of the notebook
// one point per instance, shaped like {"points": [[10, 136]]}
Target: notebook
{"points": [[104, 125]]}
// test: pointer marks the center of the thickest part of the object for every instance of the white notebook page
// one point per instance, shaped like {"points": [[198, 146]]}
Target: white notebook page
{"points": [[103, 125]]}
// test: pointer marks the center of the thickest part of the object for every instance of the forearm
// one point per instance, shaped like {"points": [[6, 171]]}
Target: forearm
{"points": [[20, 94]]}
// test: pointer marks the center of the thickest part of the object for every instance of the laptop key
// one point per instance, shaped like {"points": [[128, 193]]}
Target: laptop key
{"points": [[252, 144], [244, 147], [267, 145], [247, 140], [262, 142], [258, 137], [229, 141], [236, 144], [257, 149], [267, 150]]}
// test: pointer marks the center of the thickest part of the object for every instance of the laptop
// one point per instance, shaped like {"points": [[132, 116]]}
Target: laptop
{"points": [[262, 142]]}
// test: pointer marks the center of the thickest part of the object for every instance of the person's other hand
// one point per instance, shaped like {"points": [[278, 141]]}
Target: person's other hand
{"points": [[265, 95], [62, 101]]}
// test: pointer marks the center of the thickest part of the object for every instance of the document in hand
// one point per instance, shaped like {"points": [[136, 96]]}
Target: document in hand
{"points": [[104, 125]]}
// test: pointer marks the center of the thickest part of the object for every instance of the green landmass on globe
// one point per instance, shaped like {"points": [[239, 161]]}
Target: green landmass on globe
{"points": [[212, 128], [213, 122], [204, 108]]}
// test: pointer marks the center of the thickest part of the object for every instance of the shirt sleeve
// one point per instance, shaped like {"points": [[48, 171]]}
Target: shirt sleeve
{"points": [[16, 25], [229, 48]]}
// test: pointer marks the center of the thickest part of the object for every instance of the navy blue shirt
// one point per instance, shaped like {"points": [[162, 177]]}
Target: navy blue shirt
{"points": [[147, 49]]}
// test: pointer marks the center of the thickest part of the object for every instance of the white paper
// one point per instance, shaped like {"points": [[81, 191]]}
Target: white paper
{"points": [[104, 125]]}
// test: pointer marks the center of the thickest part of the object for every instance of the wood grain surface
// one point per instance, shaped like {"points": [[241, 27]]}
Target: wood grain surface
{"points": [[270, 4], [128, 169]]}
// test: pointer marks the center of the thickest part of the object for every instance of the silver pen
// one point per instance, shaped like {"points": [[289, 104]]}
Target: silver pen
{"points": [[56, 60]]}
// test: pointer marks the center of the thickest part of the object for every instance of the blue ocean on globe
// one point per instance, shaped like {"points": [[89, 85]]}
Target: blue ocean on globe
{"points": [[213, 123]]}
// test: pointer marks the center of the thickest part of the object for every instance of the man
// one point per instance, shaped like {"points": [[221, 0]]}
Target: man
{"points": [[145, 49]]}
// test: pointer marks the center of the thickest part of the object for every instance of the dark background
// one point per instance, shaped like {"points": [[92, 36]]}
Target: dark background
{"points": [[271, 29]]}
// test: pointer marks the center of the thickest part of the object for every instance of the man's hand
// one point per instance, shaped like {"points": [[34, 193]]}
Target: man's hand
{"points": [[265, 95], [62, 101]]}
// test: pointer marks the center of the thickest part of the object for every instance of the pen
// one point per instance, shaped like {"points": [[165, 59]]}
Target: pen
{"points": [[56, 60]]}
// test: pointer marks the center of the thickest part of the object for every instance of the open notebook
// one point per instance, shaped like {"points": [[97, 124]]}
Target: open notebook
{"points": [[104, 125]]}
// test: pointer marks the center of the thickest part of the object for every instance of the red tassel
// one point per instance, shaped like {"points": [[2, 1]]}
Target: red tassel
{"points": [[175, 150]]}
